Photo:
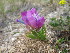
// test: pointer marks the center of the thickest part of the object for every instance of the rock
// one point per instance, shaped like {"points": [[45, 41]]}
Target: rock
{"points": [[13, 39], [17, 34], [21, 30]]}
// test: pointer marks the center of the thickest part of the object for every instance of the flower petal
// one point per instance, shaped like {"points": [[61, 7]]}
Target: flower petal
{"points": [[33, 10], [40, 22], [29, 14], [31, 19], [24, 13], [32, 22], [25, 20], [20, 20]]}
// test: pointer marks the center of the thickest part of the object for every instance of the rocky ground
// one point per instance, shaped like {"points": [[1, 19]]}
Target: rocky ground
{"points": [[12, 34]]}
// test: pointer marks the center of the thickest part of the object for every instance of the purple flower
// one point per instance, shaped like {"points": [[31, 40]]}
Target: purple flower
{"points": [[32, 19]]}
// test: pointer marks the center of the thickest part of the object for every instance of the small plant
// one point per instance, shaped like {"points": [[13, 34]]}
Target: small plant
{"points": [[64, 51], [57, 47], [61, 40], [38, 34], [2, 7], [54, 22], [62, 25], [34, 23]]}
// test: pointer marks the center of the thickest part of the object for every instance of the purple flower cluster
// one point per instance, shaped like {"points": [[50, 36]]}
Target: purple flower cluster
{"points": [[32, 19]]}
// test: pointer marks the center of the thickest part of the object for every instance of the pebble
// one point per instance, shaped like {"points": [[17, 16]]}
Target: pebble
{"points": [[13, 39], [17, 34]]}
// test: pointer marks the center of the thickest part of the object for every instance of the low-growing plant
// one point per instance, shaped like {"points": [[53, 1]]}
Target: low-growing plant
{"points": [[61, 25], [1, 7], [41, 34], [34, 23], [57, 47], [61, 40], [64, 51]]}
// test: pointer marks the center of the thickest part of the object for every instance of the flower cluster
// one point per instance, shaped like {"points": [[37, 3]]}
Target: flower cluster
{"points": [[32, 19], [62, 2]]}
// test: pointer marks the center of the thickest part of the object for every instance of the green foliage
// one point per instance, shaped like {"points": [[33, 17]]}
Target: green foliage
{"points": [[13, 9], [1, 7], [38, 34], [16, 32], [13, 5], [64, 51], [14, 1], [31, 36], [68, 21], [61, 40], [54, 22], [61, 23], [57, 47]]}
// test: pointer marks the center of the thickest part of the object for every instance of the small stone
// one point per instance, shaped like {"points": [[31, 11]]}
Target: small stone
{"points": [[17, 34], [13, 39], [21, 30], [18, 41], [48, 47]]}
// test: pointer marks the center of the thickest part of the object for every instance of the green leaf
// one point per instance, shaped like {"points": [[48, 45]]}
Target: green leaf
{"points": [[31, 36], [41, 33], [64, 51], [68, 17], [57, 47], [52, 19], [61, 40], [54, 24], [38, 34], [34, 32]]}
